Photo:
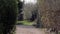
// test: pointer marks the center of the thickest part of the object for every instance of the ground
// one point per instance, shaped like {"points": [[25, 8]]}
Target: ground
{"points": [[21, 29]]}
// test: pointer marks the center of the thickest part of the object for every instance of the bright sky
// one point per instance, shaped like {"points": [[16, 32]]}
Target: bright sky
{"points": [[30, 1]]}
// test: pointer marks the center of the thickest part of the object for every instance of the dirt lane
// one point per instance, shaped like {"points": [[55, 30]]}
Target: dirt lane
{"points": [[28, 30]]}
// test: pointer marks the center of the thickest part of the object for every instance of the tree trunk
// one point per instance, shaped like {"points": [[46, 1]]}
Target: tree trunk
{"points": [[50, 13], [8, 14], [38, 17]]}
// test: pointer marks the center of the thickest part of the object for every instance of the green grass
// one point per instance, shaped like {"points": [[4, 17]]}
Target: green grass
{"points": [[25, 22]]}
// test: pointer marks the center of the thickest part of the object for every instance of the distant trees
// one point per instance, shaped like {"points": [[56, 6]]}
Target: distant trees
{"points": [[20, 7], [50, 13], [8, 14], [34, 15], [29, 10]]}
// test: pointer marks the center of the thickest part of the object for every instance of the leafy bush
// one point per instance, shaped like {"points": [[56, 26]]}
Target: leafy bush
{"points": [[8, 14]]}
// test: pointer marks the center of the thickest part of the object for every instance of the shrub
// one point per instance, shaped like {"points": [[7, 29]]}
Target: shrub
{"points": [[8, 14]]}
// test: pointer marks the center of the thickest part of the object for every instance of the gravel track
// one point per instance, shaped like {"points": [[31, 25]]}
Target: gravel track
{"points": [[20, 29]]}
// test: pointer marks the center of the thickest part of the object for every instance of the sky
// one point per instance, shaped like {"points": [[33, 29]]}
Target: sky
{"points": [[30, 1]]}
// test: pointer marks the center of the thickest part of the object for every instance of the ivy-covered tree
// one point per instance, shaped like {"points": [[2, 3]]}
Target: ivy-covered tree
{"points": [[8, 14]]}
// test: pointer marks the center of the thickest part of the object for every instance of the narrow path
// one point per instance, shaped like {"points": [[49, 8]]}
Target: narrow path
{"points": [[28, 30]]}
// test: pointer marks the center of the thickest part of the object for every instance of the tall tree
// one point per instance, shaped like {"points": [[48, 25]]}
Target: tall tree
{"points": [[50, 13], [20, 7], [8, 14]]}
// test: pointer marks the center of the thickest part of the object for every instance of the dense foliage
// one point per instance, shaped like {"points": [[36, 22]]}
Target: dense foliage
{"points": [[8, 14], [50, 14]]}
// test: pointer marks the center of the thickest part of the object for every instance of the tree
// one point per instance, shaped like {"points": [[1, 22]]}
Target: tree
{"points": [[50, 12], [36, 16], [8, 14], [29, 9], [20, 7]]}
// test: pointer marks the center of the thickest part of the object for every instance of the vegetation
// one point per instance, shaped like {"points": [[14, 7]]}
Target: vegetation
{"points": [[25, 22], [45, 12], [50, 11], [8, 14]]}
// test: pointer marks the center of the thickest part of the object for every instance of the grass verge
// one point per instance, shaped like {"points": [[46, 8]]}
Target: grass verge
{"points": [[25, 22]]}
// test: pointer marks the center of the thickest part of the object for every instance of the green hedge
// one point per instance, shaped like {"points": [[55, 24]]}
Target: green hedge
{"points": [[8, 14]]}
